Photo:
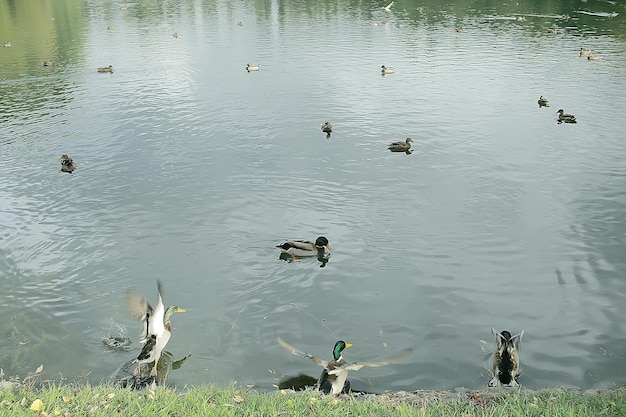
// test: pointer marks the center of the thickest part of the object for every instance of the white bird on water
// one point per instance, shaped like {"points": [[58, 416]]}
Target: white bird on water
{"points": [[387, 8]]}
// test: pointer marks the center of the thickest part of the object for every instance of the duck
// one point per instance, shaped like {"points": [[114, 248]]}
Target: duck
{"points": [[505, 359], [592, 57], [460, 30], [552, 31], [566, 117], [157, 328], [253, 67], [543, 102], [296, 248], [240, 23], [400, 146], [111, 28], [7, 44], [106, 69], [584, 52], [327, 128], [387, 70], [175, 35], [520, 18], [336, 370], [48, 63], [67, 165]]}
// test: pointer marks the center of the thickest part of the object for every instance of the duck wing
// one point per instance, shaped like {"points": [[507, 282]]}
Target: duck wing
{"points": [[321, 362], [298, 244]]}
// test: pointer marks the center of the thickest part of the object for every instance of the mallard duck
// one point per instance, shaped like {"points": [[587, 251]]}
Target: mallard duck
{"points": [[387, 70], [400, 146], [520, 18], [175, 35], [305, 247], [157, 328], [592, 57], [48, 63], [543, 102], [106, 69], [240, 23], [336, 370], [253, 67], [505, 359], [111, 28], [566, 117], [460, 30], [67, 165], [584, 52], [7, 44], [552, 31], [327, 128]]}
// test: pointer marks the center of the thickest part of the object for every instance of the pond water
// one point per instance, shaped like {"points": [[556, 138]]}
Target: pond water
{"points": [[191, 170]]}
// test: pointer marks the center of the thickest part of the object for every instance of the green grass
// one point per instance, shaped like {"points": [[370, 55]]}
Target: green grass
{"points": [[107, 400]]}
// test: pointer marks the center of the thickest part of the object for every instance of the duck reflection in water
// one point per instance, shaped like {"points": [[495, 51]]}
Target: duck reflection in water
{"points": [[323, 259]]}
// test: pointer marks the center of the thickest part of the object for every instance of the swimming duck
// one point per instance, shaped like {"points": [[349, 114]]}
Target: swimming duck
{"points": [[175, 35], [253, 67], [327, 128], [552, 31], [157, 328], [67, 165], [584, 52], [336, 370], [305, 247], [400, 146], [505, 359], [566, 117], [111, 28], [48, 63], [592, 57], [460, 30], [106, 69], [7, 44], [520, 18], [240, 23], [543, 102], [387, 70]]}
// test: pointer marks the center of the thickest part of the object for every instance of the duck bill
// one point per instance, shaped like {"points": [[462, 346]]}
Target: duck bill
{"points": [[181, 310], [328, 247], [348, 345]]}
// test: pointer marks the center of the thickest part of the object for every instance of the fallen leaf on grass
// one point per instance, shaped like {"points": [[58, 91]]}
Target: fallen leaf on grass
{"points": [[37, 405], [23, 402], [238, 399]]}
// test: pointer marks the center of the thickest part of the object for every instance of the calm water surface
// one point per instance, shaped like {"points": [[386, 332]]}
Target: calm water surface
{"points": [[191, 170]]}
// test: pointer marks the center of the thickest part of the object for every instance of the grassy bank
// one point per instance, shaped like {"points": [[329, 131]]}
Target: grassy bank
{"points": [[104, 400]]}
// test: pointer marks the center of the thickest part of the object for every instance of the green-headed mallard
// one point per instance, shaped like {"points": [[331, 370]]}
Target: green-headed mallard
{"points": [[253, 67], [296, 247], [67, 165], [157, 328], [566, 117], [584, 52], [106, 69], [336, 370], [505, 359], [48, 63], [387, 70], [7, 44], [543, 102], [592, 57], [400, 146], [327, 128]]}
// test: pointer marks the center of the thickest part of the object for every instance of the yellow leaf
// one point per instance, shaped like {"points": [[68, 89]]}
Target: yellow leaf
{"points": [[312, 399], [57, 412], [37, 405], [66, 399], [23, 402], [111, 395], [44, 414], [39, 369]]}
